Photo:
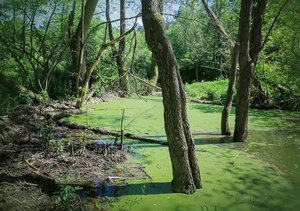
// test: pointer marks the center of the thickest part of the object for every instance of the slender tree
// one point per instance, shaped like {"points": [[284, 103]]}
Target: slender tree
{"points": [[234, 48], [77, 44], [186, 173], [119, 54]]}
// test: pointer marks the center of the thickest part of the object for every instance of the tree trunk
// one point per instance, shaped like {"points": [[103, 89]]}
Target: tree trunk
{"points": [[153, 71], [153, 77], [250, 38], [234, 45], [186, 173], [77, 47], [230, 90], [256, 41], [246, 71], [119, 54], [262, 96], [124, 82]]}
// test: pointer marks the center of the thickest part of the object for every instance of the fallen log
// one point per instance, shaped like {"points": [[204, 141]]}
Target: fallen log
{"points": [[66, 113], [98, 130]]}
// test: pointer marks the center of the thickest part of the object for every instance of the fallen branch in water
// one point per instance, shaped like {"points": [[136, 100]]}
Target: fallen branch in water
{"points": [[97, 130], [66, 113]]}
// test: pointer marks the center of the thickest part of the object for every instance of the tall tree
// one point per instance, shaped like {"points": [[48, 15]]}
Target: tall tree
{"points": [[250, 46], [234, 48], [119, 54], [186, 173], [77, 44]]}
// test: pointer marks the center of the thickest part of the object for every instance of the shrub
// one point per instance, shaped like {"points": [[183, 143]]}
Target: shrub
{"points": [[210, 90]]}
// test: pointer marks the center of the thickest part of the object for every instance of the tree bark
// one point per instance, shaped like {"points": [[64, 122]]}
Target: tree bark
{"points": [[119, 54], [153, 71], [225, 130], [186, 173], [246, 71], [124, 82], [77, 46], [256, 44], [251, 39]]}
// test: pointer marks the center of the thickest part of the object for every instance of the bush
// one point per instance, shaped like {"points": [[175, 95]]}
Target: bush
{"points": [[24, 99], [210, 90]]}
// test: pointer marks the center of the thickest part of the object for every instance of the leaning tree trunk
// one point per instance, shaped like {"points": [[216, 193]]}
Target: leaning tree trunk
{"points": [[186, 173], [230, 90], [246, 71]]}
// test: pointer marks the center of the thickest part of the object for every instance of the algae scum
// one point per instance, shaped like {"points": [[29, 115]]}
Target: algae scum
{"points": [[262, 174]]}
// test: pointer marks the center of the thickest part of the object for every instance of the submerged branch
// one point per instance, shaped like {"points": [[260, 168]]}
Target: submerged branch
{"points": [[98, 130]]}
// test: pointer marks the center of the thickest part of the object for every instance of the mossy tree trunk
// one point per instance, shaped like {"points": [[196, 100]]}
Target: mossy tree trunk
{"points": [[153, 71], [186, 173]]}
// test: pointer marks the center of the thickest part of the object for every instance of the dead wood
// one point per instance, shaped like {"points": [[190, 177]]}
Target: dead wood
{"points": [[98, 130]]}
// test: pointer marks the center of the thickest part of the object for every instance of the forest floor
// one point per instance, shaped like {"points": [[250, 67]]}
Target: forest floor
{"points": [[39, 159]]}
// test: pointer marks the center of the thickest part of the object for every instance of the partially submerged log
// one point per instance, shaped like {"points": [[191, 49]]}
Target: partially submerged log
{"points": [[264, 106], [98, 130], [67, 113]]}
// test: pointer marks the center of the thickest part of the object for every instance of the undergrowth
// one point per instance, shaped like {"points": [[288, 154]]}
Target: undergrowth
{"points": [[210, 90]]}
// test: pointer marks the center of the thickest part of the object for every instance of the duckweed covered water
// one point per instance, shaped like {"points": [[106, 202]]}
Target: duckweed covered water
{"points": [[262, 174]]}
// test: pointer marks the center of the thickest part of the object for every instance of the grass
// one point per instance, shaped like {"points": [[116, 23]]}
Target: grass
{"points": [[210, 90], [259, 175]]}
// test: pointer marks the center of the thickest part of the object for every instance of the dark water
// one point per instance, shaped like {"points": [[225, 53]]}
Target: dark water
{"points": [[280, 148]]}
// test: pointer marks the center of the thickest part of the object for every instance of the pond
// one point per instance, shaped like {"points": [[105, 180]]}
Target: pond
{"points": [[261, 174]]}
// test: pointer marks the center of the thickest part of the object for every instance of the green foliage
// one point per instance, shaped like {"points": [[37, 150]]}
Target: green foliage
{"points": [[7, 101], [212, 90], [46, 132], [67, 196], [201, 52], [61, 144], [24, 99], [44, 95]]}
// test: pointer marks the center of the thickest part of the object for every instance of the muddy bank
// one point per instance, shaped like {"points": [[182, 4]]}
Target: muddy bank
{"points": [[37, 156]]}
